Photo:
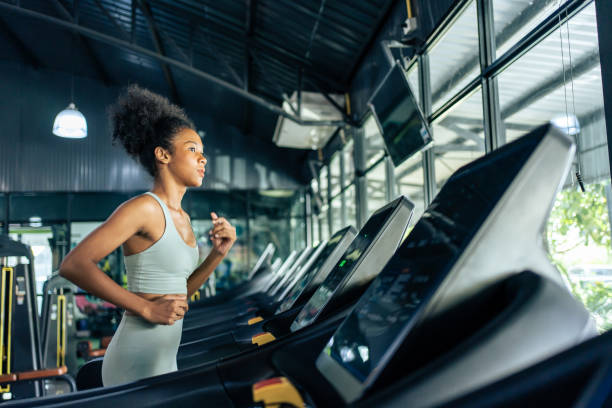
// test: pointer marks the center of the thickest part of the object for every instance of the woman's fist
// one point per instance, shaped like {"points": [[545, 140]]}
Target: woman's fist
{"points": [[222, 234], [166, 309]]}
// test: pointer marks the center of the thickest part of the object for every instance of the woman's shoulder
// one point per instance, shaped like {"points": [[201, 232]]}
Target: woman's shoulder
{"points": [[141, 205]]}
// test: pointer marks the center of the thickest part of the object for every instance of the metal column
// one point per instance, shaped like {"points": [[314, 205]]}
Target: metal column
{"points": [[361, 187], [429, 170], [493, 130]]}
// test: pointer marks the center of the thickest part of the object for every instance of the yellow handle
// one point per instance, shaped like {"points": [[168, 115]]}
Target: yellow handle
{"points": [[195, 296], [255, 320], [262, 338], [277, 391], [6, 307], [61, 330]]}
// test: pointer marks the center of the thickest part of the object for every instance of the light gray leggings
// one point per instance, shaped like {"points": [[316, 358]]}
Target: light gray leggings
{"points": [[140, 349]]}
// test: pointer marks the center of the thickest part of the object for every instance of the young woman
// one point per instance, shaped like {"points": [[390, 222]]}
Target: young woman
{"points": [[159, 246]]}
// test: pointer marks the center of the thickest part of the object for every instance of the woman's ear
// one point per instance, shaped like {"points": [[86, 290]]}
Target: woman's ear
{"points": [[161, 155]]}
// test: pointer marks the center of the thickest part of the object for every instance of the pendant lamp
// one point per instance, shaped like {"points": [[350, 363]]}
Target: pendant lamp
{"points": [[70, 123]]}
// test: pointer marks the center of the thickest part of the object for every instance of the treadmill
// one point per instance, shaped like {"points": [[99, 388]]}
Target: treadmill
{"points": [[361, 262], [242, 310], [306, 281], [399, 341], [262, 269]]}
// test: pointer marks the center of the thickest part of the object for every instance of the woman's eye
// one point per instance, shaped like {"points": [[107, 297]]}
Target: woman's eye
{"points": [[192, 149]]}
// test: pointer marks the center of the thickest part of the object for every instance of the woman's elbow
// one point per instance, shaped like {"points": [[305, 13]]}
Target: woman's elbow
{"points": [[66, 269]]}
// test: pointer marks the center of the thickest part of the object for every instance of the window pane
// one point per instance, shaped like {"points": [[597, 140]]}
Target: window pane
{"points": [[376, 191], [410, 182], [298, 233], [513, 19], [324, 223], [578, 230], [458, 137], [454, 61], [349, 164], [336, 214], [334, 168], [351, 206], [316, 237], [323, 184], [413, 80], [532, 89], [374, 144]]}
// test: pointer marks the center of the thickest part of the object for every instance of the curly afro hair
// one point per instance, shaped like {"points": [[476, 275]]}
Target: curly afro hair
{"points": [[142, 120]]}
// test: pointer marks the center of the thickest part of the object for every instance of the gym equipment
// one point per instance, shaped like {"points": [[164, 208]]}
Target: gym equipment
{"points": [[21, 364]]}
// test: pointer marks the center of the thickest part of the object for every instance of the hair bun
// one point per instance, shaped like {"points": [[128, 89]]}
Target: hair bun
{"points": [[135, 122]]}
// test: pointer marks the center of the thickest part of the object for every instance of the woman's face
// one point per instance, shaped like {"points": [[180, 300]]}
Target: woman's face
{"points": [[187, 162]]}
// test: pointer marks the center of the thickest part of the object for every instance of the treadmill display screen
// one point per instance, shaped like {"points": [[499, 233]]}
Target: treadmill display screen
{"points": [[301, 285], [343, 268], [396, 299]]}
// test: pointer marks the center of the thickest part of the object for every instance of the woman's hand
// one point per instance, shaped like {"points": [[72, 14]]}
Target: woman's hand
{"points": [[166, 309], [222, 234]]}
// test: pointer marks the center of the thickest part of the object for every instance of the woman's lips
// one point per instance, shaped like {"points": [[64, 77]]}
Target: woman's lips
{"points": [[201, 173]]}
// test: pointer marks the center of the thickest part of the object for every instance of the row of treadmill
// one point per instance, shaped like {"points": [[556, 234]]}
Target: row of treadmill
{"points": [[463, 310]]}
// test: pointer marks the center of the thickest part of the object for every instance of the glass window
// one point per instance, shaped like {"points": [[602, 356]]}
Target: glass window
{"points": [[374, 143], [413, 80], [578, 230], [532, 91], [298, 233], [298, 207], [334, 169], [513, 19], [316, 237], [454, 60], [349, 163], [458, 137], [38, 238], [324, 224], [336, 214], [376, 188], [351, 205], [323, 184], [409, 179]]}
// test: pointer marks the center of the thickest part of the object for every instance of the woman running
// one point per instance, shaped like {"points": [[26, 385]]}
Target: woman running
{"points": [[159, 246]]}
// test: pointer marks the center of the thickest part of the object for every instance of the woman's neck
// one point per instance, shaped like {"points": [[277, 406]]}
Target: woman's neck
{"points": [[171, 193]]}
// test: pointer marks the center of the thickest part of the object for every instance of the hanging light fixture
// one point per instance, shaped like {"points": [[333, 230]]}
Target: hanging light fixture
{"points": [[70, 123]]}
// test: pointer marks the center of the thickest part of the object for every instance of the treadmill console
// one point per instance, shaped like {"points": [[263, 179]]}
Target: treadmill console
{"points": [[403, 294], [336, 245], [397, 212], [266, 257]]}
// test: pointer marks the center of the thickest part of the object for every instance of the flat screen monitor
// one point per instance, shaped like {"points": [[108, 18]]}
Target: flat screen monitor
{"points": [[399, 118], [314, 270], [363, 344], [343, 268]]}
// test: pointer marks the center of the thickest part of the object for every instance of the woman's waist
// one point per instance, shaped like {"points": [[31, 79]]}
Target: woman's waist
{"points": [[153, 297]]}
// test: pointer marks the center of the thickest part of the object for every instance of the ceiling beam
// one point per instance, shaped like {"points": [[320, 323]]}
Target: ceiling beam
{"points": [[374, 32], [159, 47], [97, 63], [27, 54], [275, 51], [109, 39]]}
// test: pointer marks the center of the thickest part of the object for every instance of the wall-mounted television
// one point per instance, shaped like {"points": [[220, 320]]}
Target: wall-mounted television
{"points": [[399, 118]]}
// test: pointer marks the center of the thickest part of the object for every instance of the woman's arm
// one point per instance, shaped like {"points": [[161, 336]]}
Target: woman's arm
{"points": [[223, 236], [80, 266]]}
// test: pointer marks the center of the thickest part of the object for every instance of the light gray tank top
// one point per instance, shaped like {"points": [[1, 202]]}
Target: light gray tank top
{"points": [[164, 267]]}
